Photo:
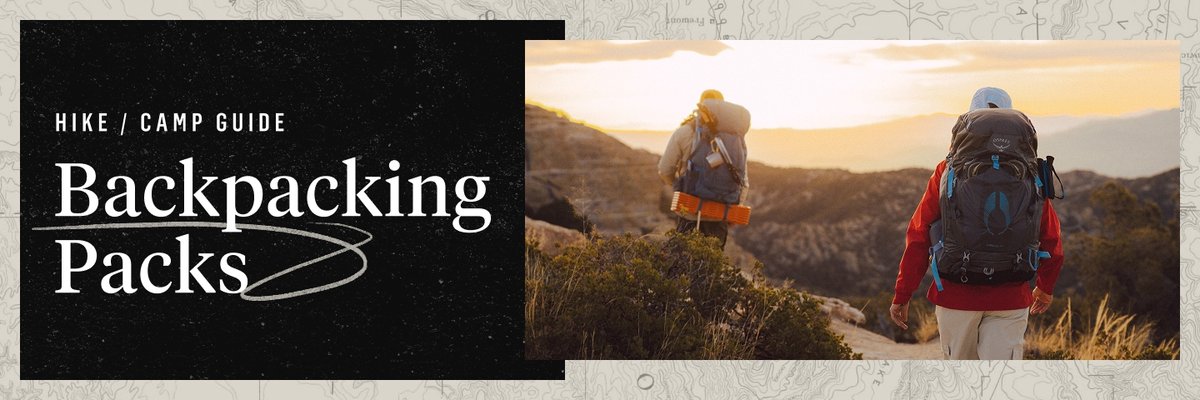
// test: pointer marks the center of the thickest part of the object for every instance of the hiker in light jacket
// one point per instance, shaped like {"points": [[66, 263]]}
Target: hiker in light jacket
{"points": [[672, 166], [977, 321]]}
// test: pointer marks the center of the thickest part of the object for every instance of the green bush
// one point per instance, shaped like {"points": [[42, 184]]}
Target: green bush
{"points": [[1133, 260], [624, 297]]}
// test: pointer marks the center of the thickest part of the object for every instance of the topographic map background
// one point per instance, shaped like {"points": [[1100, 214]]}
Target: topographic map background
{"points": [[680, 19]]}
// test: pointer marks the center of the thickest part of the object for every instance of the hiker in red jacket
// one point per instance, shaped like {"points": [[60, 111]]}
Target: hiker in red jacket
{"points": [[977, 321]]}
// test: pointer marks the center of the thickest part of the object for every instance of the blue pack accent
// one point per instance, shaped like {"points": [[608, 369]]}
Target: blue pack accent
{"points": [[995, 161], [950, 183], [1037, 180], [1004, 209], [996, 200], [933, 255], [1035, 257]]}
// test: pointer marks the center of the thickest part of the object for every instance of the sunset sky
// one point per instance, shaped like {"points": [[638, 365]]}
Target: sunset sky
{"points": [[652, 85]]}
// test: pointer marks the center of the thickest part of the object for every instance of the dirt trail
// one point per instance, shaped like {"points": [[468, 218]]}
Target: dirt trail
{"points": [[877, 347]]}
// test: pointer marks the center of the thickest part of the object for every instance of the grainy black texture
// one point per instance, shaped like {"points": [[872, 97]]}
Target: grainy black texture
{"points": [[443, 98]]}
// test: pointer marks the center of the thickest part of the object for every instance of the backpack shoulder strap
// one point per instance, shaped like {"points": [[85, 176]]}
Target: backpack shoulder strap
{"points": [[745, 159], [685, 162]]}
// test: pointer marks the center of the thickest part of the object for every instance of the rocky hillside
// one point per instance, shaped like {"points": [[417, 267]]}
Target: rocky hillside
{"points": [[832, 232], [614, 186], [842, 234]]}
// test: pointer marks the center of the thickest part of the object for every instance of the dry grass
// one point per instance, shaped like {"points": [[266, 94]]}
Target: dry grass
{"points": [[535, 275], [1108, 336], [926, 327], [723, 342]]}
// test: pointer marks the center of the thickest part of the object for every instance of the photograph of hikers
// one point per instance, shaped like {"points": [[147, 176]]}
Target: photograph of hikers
{"points": [[965, 200]]}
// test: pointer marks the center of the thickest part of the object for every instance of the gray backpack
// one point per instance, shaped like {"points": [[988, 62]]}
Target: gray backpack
{"points": [[723, 142], [991, 200]]}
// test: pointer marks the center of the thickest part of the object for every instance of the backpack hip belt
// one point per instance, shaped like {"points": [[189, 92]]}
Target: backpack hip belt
{"points": [[979, 267]]}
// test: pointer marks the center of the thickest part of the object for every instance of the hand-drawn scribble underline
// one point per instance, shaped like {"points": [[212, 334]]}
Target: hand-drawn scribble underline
{"points": [[345, 246]]}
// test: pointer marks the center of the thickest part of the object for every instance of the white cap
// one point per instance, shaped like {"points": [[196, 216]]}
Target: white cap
{"points": [[990, 97]]}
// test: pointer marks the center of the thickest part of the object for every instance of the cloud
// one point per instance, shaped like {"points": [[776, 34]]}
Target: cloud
{"points": [[550, 52], [993, 56]]}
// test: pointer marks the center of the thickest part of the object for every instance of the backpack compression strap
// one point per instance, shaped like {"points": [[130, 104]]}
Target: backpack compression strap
{"points": [[950, 182], [1036, 257], [1061, 192], [933, 250], [937, 279]]}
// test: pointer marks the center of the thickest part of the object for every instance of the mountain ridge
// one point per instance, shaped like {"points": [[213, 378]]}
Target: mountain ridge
{"points": [[831, 231], [1081, 143]]}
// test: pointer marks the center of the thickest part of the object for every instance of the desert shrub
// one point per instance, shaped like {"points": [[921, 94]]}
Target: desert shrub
{"points": [[625, 297], [786, 324]]}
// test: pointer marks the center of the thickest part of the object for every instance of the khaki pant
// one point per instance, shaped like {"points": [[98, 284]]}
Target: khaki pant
{"points": [[982, 335]]}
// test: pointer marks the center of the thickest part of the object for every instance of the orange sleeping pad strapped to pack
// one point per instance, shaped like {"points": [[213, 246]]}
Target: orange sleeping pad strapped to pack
{"points": [[683, 203]]}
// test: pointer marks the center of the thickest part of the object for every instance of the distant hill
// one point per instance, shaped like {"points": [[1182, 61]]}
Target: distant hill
{"points": [[1126, 147], [834, 232], [1136, 145]]}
